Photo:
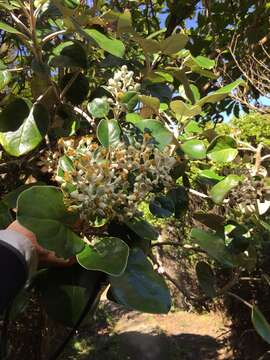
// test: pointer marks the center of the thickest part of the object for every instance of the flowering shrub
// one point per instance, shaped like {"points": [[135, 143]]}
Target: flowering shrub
{"points": [[97, 120]]}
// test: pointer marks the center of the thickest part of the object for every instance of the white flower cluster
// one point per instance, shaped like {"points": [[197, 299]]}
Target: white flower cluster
{"points": [[111, 184], [122, 82]]}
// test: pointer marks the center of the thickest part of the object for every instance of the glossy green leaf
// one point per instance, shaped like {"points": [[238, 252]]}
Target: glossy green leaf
{"points": [[140, 287], [208, 176], [29, 135], [222, 149], [221, 189], [112, 46], [206, 278], [194, 149], [260, 324], [99, 107], [108, 254], [159, 132], [9, 29], [41, 209], [213, 245], [11, 198], [108, 132], [13, 114], [5, 77]]}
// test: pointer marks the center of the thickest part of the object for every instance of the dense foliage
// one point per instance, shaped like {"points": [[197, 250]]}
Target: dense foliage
{"points": [[99, 114]]}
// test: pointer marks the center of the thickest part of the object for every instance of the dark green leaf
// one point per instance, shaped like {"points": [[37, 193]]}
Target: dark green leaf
{"points": [[13, 115], [140, 287], [162, 207], [180, 199], [78, 90], [206, 278], [131, 99], [41, 209], [11, 198], [71, 56], [213, 221], [29, 135], [108, 132], [66, 291], [108, 254], [142, 228]]}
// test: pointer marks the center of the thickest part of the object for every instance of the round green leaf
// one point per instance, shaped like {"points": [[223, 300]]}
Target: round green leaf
{"points": [[180, 199], [260, 324], [29, 135], [140, 287], [99, 108], [11, 198], [194, 149], [222, 149], [206, 278], [159, 132], [41, 209], [221, 189], [108, 254], [13, 114], [108, 132]]}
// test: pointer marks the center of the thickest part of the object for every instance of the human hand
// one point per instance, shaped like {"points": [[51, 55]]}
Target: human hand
{"points": [[45, 257]]}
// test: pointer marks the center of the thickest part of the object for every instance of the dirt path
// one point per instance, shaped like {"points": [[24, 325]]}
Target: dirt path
{"points": [[137, 336]]}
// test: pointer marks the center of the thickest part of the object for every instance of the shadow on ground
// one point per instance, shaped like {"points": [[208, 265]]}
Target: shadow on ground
{"points": [[137, 346]]}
